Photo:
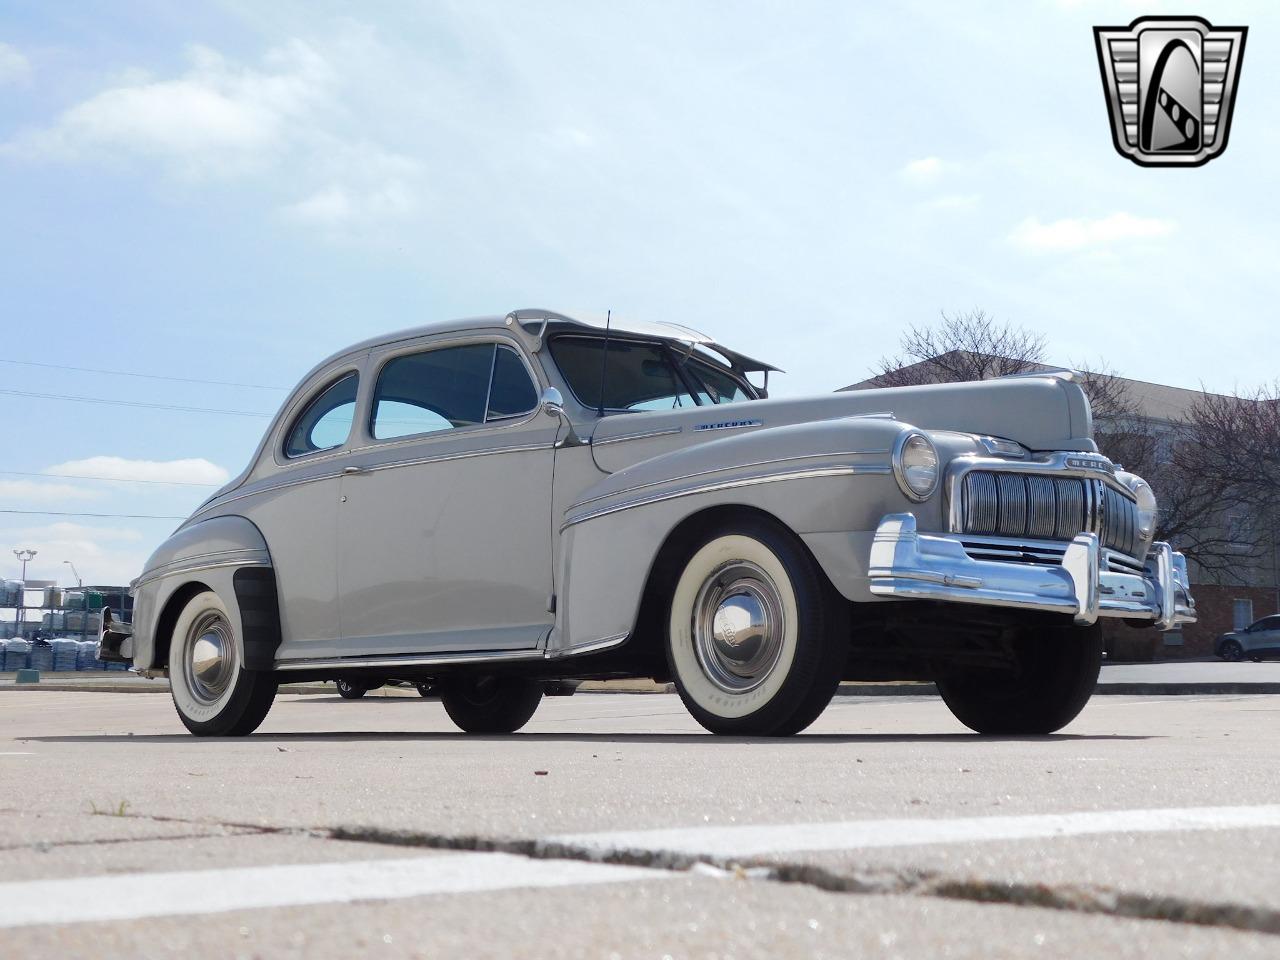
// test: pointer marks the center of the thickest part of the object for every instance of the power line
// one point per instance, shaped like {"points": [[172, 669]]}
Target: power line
{"points": [[144, 376], [76, 476], [134, 403], [112, 516]]}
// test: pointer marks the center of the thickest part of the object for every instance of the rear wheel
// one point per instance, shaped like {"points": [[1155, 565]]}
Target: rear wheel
{"points": [[756, 637], [214, 694], [1054, 673], [489, 704]]}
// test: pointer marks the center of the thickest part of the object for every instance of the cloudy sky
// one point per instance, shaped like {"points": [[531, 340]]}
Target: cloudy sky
{"points": [[230, 191]]}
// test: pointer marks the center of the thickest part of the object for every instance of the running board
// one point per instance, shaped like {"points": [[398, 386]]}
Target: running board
{"points": [[408, 660], [448, 659]]}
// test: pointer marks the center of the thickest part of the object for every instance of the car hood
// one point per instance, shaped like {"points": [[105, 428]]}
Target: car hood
{"points": [[1047, 412]]}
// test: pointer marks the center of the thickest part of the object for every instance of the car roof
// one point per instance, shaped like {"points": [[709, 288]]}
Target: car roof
{"points": [[538, 323]]}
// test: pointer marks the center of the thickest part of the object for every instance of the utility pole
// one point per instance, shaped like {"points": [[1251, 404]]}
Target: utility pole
{"points": [[23, 555], [74, 572]]}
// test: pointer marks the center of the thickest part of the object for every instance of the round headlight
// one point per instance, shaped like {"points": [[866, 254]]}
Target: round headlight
{"points": [[1148, 509], [915, 464]]}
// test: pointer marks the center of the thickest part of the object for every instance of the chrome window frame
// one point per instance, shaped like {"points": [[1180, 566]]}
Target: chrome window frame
{"points": [[298, 410], [682, 378], [402, 349]]}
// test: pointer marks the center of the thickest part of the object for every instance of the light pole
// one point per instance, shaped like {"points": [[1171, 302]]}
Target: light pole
{"points": [[23, 555], [75, 573]]}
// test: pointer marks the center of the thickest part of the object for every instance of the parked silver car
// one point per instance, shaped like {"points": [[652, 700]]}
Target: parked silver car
{"points": [[494, 504], [1258, 641]]}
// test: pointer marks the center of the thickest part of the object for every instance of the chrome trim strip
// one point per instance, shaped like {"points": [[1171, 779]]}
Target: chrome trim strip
{"points": [[409, 660], [170, 570], [817, 472], [736, 466], [448, 457], [371, 468], [593, 646], [270, 488], [643, 435]]}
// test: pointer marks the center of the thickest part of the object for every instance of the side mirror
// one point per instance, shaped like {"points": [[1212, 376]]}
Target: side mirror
{"points": [[552, 404]]}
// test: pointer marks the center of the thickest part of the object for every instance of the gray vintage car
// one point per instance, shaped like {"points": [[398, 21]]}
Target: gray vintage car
{"points": [[497, 505]]}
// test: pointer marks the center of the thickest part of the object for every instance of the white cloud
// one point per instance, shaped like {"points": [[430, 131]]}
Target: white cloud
{"points": [[364, 186], [194, 470], [217, 118], [922, 172], [956, 201], [14, 67], [102, 555], [19, 492], [1079, 234], [277, 121]]}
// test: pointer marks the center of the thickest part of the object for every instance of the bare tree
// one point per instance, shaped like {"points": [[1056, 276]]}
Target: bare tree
{"points": [[968, 346], [1225, 465]]}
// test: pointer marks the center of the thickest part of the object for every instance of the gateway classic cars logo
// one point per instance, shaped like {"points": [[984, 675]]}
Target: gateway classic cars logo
{"points": [[1170, 84]]}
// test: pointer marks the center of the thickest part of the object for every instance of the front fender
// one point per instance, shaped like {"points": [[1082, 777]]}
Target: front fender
{"points": [[827, 481], [211, 552]]}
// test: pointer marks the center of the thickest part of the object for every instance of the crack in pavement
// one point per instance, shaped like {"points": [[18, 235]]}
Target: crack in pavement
{"points": [[882, 881], [43, 846], [866, 881]]}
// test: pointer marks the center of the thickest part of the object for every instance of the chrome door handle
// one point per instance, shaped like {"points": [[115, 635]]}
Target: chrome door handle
{"points": [[348, 471]]}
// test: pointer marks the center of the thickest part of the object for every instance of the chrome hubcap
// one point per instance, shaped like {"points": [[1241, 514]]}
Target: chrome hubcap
{"points": [[210, 658], [738, 626]]}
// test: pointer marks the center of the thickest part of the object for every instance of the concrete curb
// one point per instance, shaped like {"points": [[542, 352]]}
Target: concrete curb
{"points": [[1187, 689]]}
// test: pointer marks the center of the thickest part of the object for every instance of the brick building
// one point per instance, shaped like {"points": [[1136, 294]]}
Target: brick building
{"points": [[1225, 600]]}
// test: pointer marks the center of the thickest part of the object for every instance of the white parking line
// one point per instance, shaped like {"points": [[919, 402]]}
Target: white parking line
{"points": [[137, 895], [746, 841]]}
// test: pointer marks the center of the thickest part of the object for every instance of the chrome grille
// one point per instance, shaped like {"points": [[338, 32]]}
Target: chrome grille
{"points": [[1009, 504]]}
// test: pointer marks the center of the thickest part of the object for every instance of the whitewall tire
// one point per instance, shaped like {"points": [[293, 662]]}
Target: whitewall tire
{"points": [[756, 637], [213, 693]]}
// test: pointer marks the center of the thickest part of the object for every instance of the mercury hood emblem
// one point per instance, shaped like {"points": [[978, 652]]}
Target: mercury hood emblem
{"points": [[1170, 84]]}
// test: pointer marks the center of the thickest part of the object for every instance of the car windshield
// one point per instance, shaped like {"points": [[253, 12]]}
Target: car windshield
{"points": [[641, 375]]}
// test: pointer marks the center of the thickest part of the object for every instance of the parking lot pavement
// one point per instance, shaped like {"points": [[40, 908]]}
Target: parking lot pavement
{"points": [[613, 825]]}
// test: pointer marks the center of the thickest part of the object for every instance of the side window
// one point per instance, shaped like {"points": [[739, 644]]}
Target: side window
{"points": [[715, 386], [435, 390], [512, 393], [326, 422]]}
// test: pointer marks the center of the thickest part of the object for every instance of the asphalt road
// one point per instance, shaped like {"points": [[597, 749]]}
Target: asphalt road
{"points": [[613, 827]]}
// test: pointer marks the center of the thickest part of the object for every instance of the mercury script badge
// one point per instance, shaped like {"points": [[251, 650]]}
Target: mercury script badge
{"points": [[1170, 84]]}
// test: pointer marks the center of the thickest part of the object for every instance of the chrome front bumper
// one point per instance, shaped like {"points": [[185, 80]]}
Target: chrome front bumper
{"points": [[909, 565], [115, 640]]}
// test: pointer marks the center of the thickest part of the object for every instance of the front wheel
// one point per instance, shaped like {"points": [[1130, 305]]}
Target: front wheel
{"points": [[1054, 672], [756, 637], [1231, 651], [214, 694], [350, 691], [488, 704]]}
